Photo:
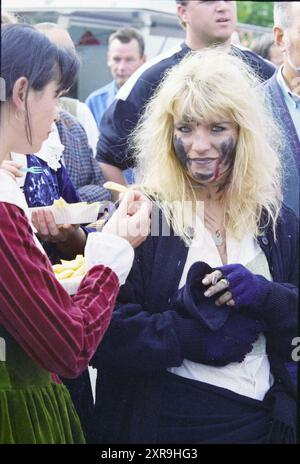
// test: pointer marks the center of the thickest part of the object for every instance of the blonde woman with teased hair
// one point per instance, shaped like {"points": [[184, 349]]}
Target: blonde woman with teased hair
{"points": [[220, 94], [203, 327]]}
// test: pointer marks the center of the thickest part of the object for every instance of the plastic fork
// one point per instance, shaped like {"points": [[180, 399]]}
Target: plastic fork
{"points": [[32, 170]]}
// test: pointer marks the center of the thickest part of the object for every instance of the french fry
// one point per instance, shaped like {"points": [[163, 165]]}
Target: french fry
{"points": [[65, 274], [114, 186], [70, 269], [58, 268], [72, 265], [60, 203], [80, 271]]}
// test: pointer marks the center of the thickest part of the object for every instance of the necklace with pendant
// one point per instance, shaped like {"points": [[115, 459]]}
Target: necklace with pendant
{"points": [[218, 238]]}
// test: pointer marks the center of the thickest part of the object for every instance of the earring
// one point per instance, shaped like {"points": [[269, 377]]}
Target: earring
{"points": [[17, 116]]}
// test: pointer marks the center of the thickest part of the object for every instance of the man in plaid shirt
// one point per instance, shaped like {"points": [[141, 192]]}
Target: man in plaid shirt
{"points": [[83, 169]]}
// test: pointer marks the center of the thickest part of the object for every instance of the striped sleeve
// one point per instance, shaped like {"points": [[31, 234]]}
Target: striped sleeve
{"points": [[59, 332]]}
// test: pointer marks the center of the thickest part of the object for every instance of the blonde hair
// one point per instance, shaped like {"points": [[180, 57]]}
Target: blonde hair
{"points": [[206, 86]]}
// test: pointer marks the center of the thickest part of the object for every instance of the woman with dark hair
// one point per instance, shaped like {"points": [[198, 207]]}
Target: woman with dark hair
{"points": [[50, 181], [42, 329]]}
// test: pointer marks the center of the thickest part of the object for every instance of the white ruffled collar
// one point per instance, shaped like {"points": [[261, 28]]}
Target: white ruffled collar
{"points": [[52, 149], [50, 152]]}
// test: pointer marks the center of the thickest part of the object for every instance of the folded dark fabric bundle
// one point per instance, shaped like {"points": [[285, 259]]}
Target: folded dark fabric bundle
{"points": [[191, 298]]}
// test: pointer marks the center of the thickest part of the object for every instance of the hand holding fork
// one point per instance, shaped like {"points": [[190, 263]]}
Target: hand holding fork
{"points": [[32, 170], [15, 169]]}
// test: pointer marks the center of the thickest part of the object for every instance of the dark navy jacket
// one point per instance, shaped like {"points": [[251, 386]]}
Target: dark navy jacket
{"points": [[290, 152], [150, 333], [121, 117]]}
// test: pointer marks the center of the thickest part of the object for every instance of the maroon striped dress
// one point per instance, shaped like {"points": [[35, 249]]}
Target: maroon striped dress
{"points": [[43, 330]]}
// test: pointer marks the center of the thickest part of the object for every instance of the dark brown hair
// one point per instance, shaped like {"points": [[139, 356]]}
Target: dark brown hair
{"points": [[27, 52], [126, 34]]}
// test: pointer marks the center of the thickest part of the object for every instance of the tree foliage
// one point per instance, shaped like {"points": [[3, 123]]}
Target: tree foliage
{"points": [[257, 13]]}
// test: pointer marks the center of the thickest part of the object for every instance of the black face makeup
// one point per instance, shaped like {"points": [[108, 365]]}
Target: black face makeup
{"points": [[194, 165], [211, 164], [227, 156], [180, 151], [185, 161], [228, 151]]}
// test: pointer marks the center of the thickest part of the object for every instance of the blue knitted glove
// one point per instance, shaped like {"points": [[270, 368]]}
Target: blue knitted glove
{"points": [[247, 289]]}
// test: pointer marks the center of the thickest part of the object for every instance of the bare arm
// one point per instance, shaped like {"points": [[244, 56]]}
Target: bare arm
{"points": [[113, 174]]}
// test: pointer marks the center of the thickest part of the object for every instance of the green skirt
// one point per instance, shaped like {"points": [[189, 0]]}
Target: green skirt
{"points": [[33, 409]]}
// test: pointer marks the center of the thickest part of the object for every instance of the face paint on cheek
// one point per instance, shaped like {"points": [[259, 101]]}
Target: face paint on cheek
{"points": [[192, 167], [180, 151], [199, 176], [185, 161], [227, 149]]}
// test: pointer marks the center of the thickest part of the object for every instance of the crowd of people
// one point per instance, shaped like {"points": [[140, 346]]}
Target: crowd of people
{"points": [[189, 305]]}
